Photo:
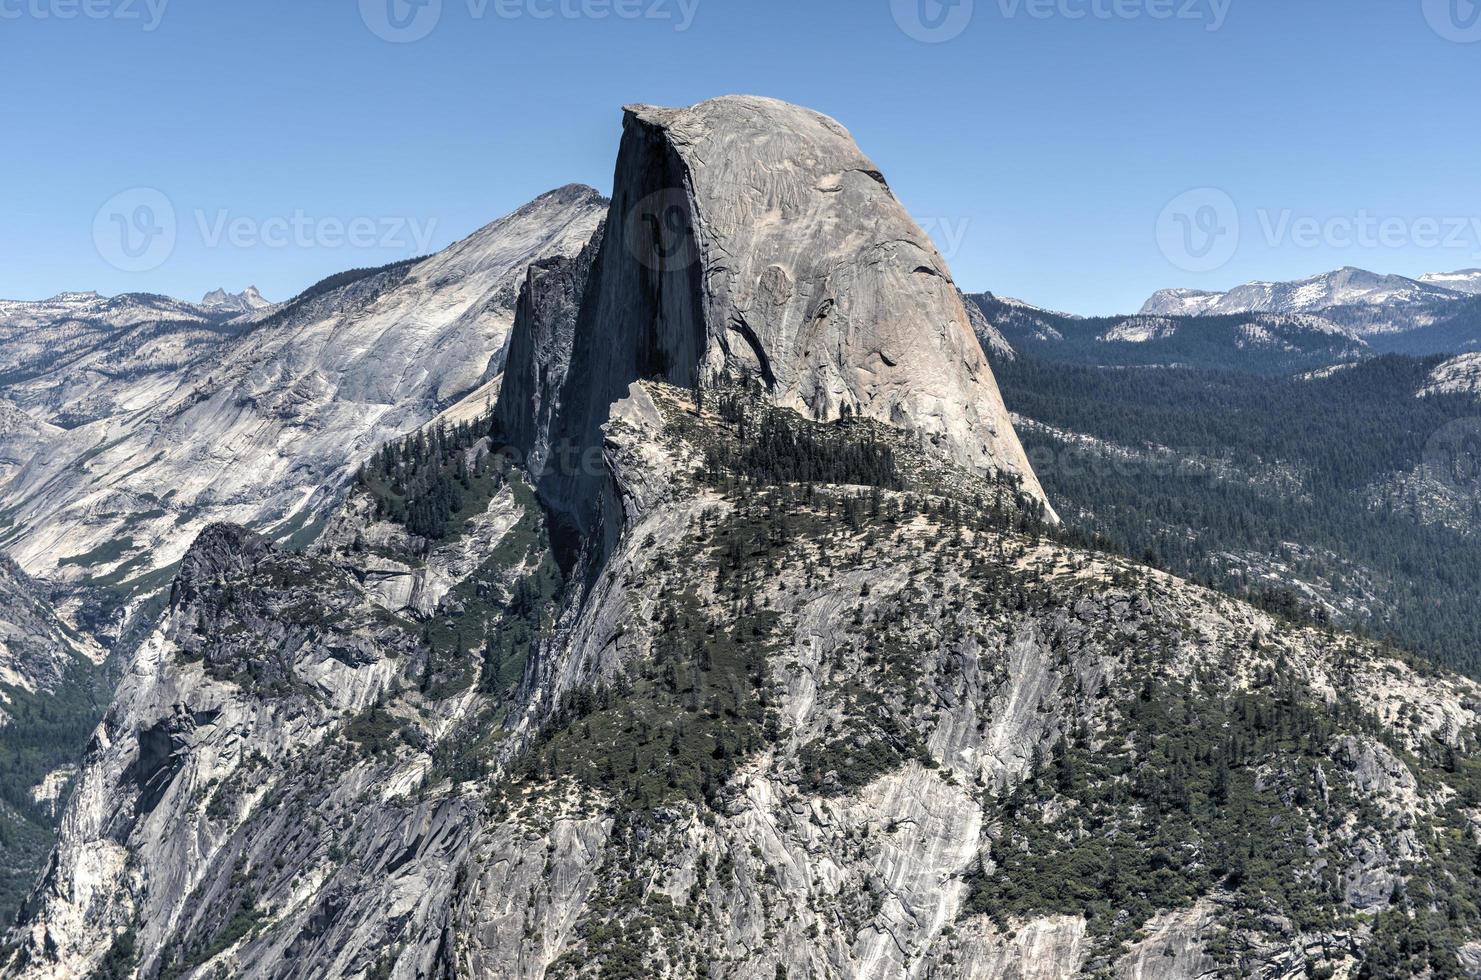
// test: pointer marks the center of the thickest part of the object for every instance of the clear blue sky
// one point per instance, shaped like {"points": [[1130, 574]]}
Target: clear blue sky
{"points": [[1040, 150]]}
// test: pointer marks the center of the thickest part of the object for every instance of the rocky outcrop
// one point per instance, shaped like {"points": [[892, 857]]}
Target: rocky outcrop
{"points": [[994, 344], [1457, 376], [247, 301], [249, 681], [404, 573], [1174, 947], [38, 649], [751, 242]]}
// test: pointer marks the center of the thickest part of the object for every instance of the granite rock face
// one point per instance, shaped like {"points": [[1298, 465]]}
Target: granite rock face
{"points": [[752, 242], [540, 347], [37, 647], [267, 430], [813, 278]]}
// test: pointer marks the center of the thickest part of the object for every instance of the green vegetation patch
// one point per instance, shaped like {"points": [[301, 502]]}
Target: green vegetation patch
{"points": [[677, 729], [426, 483], [487, 629], [46, 732], [104, 554]]}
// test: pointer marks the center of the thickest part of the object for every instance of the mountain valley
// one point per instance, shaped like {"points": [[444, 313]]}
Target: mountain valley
{"points": [[695, 583]]}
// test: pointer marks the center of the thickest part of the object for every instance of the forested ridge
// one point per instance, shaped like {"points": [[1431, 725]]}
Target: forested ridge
{"points": [[1310, 462]]}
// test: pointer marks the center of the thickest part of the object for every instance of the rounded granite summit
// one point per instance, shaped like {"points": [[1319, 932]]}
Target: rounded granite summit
{"points": [[752, 240]]}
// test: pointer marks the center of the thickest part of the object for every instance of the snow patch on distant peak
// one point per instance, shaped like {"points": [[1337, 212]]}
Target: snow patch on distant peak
{"points": [[1345, 287], [1023, 305], [1465, 281], [1321, 374]]}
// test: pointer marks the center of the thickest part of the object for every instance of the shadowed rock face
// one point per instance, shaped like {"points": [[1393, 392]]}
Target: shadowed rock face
{"points": [[540, 349], [752, 241]]}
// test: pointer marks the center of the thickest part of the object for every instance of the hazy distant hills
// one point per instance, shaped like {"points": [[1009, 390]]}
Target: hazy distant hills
{"points": [[1267, 343]]}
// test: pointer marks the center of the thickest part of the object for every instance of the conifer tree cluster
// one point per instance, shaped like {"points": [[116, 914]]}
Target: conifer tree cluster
{"points": [[425, 481], [773, 448]]}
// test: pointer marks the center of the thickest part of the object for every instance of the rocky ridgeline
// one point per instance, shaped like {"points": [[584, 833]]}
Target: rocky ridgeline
{"points": [[792, 677], [260, 420]]}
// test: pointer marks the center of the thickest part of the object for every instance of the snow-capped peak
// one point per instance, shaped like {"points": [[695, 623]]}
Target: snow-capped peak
{"points": [[1465, 281], [1028, 307], [1406, 303]]}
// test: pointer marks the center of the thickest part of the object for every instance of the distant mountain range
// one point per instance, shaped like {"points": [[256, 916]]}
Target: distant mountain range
{"points": [[1345, 287], [1267, 327], [1267, 343], [1437, 313], [1465, 281]]}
